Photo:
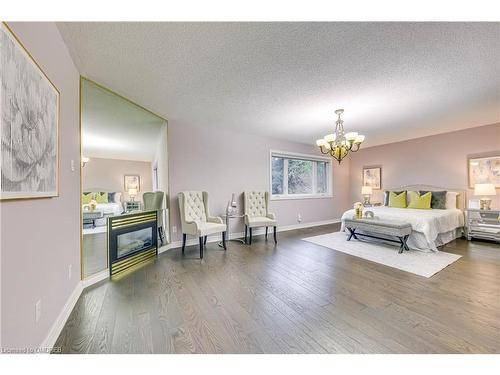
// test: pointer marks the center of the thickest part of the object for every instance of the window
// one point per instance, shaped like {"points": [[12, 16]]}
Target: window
{"points": [[299, 176]]}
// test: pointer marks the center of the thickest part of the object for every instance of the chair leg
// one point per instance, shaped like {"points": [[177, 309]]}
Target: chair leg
{"points": [[161, 233], [224, 240], [266, 233], [250, 240], [246, 230], [201, 247], [205, 241], [274, 233], [183, 242]]}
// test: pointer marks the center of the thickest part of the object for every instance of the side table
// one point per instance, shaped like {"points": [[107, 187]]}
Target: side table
{"points": [[227, 220]]}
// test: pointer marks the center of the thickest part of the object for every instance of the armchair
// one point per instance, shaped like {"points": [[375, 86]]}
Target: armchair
{"points": [[256, 206], [196, 219]]}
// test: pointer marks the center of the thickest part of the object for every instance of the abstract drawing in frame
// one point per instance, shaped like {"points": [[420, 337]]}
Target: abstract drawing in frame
{"points": [[29, 119], [484, 170], [372, 176], [132, 182]]}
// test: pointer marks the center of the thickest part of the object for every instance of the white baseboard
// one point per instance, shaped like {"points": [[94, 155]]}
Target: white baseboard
{"points": [[259, 231], [95, 278], [58, 325]]}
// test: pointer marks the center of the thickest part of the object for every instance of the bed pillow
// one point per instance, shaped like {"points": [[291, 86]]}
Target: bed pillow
{"points": [[397, 200], [87, 197], [386, 196], [451, 200], [438, 200], [118, 198], [101, 197], [420, 201], [111, 197]]}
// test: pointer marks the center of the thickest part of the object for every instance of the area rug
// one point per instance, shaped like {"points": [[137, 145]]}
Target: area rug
{"points": [[417, 262]]}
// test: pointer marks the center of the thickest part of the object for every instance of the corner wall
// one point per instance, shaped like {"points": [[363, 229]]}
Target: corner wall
{"points": [[225, 162], [439, 160], [40, 238]]}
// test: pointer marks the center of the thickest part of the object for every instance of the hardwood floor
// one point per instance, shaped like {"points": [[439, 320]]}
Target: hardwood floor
{"points": [[295, 297]]}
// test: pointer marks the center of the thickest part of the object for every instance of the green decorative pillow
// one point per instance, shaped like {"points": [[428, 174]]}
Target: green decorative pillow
{"points": [[397, 200], [101, 197], [438, 200], [422, 202], [87, 197], [386, 196]]}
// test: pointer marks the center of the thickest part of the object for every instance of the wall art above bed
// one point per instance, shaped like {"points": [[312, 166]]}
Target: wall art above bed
{"points": [[372, 176], [29, 117], [484, 170]]}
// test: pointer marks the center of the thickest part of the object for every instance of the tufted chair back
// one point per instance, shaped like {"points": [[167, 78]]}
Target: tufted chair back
{"points": [[256, 203], [192, 205]]}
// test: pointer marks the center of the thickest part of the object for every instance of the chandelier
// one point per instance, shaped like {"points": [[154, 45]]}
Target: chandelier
{"points": [[339, 144]]}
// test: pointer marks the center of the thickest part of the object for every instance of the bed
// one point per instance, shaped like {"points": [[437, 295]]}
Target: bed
{"points": [[430, 228], [111, 208]]}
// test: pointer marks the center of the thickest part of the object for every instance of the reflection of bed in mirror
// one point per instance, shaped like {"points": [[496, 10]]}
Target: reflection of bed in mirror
{"points": [[431, 228], [111, 208]]}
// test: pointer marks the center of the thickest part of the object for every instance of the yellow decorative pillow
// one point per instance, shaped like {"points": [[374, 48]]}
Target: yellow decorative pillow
{"points": [[87, 197], [101, 197], [420, 201], [397, 200]]}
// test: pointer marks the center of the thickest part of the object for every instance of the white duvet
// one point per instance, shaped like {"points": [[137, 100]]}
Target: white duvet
{"points": [[429, 223]]}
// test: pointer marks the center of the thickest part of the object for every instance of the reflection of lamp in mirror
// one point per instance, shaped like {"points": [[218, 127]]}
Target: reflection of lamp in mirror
{"points": [[485, 190], [132, 193], [366, 191]]}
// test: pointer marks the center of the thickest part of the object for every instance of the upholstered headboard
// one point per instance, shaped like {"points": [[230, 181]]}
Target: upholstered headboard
{"points": [[460, 197]]}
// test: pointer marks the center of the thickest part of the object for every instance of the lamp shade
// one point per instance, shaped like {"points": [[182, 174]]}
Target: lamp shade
{"points": [[366, 190], [132, 192], [484, 189]]}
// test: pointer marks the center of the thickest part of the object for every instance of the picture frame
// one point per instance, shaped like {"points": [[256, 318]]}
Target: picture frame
{"points": [[372, 176], [484, 169], [132, 181], [29, 170]]}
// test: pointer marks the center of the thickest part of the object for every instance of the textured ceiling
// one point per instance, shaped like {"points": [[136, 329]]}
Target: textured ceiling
{"points": [[114, 128], [395, 80]]}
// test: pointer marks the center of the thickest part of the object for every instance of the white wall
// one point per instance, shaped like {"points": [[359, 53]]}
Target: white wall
{"points": [[223, 162], [40, 238]]}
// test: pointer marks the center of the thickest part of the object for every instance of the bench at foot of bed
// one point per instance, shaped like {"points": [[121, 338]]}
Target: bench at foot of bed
{"points": [[378, 228]]}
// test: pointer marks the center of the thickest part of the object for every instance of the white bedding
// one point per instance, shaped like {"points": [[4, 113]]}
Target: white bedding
{"points": [[109, 208], [430, 224]]}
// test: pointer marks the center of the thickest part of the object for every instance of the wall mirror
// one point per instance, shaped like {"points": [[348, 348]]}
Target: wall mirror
{"points": [[124, 160]]}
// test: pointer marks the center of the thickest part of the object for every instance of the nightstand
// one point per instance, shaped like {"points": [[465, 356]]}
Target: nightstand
{"points": [[132, 206], [483, 224]]}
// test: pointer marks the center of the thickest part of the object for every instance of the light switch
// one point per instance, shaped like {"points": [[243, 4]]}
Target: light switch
{"points": [[72, 165]]}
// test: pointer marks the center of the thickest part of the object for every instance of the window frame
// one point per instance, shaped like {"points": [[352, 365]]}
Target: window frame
{"points": [[294, 155]]}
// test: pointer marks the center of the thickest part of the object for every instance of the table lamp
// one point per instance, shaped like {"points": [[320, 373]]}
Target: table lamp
{"points": [[485, 190], [132, 193], [366, 191]]}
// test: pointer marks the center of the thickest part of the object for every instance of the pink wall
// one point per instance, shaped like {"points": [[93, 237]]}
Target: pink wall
{"points": [[40, 238], [109, 174], [439, 160], [223, 162]]}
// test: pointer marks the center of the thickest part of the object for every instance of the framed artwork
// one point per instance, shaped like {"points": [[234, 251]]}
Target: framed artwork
{"points": [[29, 120], [372, 176], [484, 170], [132, 182]]}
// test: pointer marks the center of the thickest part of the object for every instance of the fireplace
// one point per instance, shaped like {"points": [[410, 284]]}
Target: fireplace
{"points": [[132, 239]]}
